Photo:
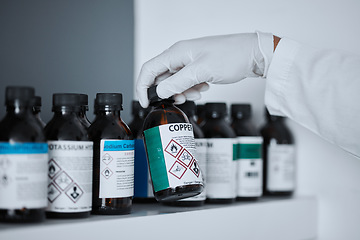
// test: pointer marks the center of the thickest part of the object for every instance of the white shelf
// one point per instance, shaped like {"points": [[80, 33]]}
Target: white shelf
{"points": [[269, 218]]}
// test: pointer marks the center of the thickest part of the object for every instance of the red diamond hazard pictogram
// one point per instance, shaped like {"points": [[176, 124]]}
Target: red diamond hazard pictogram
{"points": [[185, 157], [178, 169], [63, 180], [194, 167], [173, 148], [54, 168], [107, 158], [74, 192], [53, 192], [107, 173]]}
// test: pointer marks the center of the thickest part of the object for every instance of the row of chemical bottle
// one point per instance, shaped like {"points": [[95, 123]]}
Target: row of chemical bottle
{"points": [[71, 168]]}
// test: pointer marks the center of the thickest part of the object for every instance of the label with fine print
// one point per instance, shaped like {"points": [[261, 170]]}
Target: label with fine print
{"points": [[23, 175], [70, 176], [116, 168], [171, 153]]}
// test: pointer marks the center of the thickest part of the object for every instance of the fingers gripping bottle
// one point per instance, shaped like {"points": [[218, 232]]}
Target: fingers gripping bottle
{"points": [[279, 157], [70, 160], [23, 160], [143, 191], [189, 108], [249, 161], [221, 150], [170, 148], [113, 185]]}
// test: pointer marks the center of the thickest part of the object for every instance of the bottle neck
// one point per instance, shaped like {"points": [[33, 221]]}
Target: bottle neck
{"points": [[66, 111], [162, 103], [18, 109], [108, 113]]}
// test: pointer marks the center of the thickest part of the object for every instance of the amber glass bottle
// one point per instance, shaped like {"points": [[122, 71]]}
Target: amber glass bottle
{"points": [[279, 157], [189, 108], [113, 175], [170, 148], [221, 146], [143, 191], [70, 160], [249, 161], [22, 146]]}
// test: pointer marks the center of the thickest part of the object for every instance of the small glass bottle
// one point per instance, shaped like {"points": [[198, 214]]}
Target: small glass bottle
{"points": [[36, 109], [84, 107], [249, 161], [200, 109], [170, 148], [22, 146], [279, 157], [70, 160], [113, 175], [189, 108], [221, 146], [143, 191]]}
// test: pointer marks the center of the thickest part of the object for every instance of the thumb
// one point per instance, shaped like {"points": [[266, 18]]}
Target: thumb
{"points": [[189, 76]]}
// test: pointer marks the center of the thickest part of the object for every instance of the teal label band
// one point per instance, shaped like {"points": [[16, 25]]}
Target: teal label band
{"points": [[23, 148], [249, 151], [119, 145], [156, 159]]}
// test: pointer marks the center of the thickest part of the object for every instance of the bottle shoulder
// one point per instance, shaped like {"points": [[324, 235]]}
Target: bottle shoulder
{"points": [[277, 131], [109, 128], [164, 115], [69, 128], [244, 128], [218, 128]]}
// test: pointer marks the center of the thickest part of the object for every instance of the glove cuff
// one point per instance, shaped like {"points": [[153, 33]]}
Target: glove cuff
{"points": [[266, 47]]}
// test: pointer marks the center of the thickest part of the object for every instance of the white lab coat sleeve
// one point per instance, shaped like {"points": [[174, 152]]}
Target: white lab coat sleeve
{"points": [[319, 89]]}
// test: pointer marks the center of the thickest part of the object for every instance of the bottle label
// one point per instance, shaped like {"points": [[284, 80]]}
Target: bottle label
{"points": [[171, 153], [70, 176], [23, 175], [281, 167], [200, 156], [249, 166], [143, 186], [116, 168], [221, 168]]}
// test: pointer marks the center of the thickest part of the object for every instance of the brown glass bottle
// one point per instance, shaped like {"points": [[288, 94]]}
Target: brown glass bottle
{"points": [[220, 174], [36, 109], [249, 161], [279, 157], [21, 137], [166, 116], [108, 126], [143, 192], [68, 141]]}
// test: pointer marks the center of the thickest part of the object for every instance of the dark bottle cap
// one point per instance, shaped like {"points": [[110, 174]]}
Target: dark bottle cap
{"points": [[84, 101], [108, 101], [19, 95], [152, 95], [36, 101], [241, 111], [215, 110], [188, 107], [137, 109], [66, 100]]}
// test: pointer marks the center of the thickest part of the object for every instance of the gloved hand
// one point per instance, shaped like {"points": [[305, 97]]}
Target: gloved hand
{"points": [[186, 67]]}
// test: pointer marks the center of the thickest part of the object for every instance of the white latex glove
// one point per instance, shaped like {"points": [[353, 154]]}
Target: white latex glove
{"points": [[186, 67]]}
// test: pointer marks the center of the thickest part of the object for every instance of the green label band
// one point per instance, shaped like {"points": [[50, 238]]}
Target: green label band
{"points": [[248, 151]]}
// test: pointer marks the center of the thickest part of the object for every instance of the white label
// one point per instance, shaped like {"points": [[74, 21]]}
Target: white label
{"points": [[221, 169], [171, 155], [23, 175], [70, 176], [116, 168], [200, 155], [281, 167], [249, 167]]}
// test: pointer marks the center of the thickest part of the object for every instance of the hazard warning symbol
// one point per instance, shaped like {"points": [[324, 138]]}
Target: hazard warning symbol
{"points": [[178, 169], [195, 168], [173, 148], [185, 157], [107, 173], [74, 192], [107, 158], [63, 180], [53, 192], [54, 168]]}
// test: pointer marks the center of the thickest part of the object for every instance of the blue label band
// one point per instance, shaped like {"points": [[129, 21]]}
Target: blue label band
{"points": [[23, 148], [119, 145]]}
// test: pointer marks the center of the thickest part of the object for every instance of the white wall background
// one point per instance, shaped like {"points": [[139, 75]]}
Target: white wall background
{"points": [[323, 169]]}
